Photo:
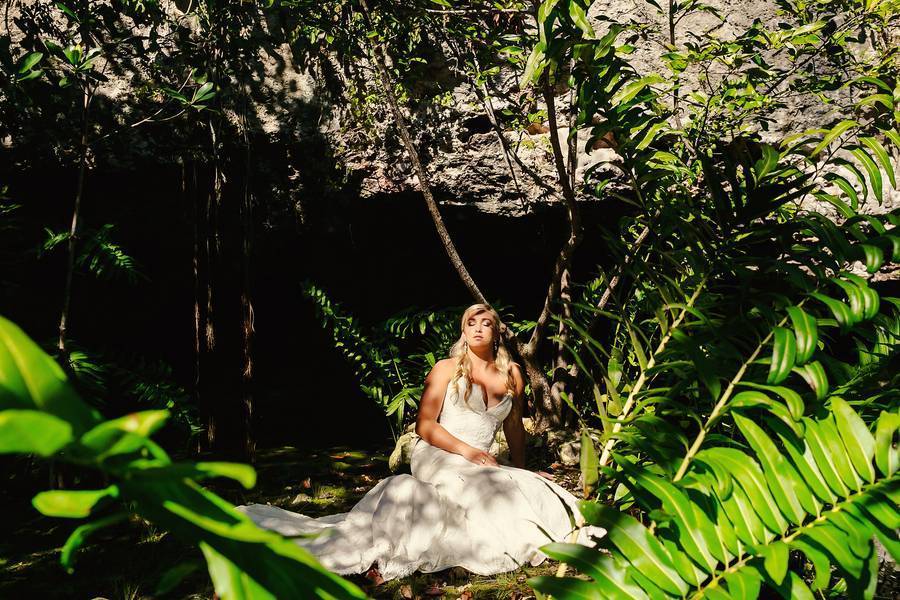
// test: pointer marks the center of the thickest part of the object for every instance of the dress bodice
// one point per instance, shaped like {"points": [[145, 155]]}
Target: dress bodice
{"points": [[475, 423]]}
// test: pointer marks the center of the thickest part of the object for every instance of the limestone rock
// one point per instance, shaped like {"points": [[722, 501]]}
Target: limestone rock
{"points": [[402, 451]]}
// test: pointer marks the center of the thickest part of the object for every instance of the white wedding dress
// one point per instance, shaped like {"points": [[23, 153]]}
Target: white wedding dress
{"points": [[449, 512]]}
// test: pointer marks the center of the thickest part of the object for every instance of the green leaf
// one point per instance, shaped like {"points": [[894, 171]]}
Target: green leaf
{"points": [[814, 375], [822, 454], [841, 312], [73, 504], [855, 296], [637, 545], [794, 588], [637, 347], [576, 13], [873, 257], [784, 353], [243, 474], [676, 503], [829, 433], [194, 514], [123, 435], [173, 577], [817, 557], [805, 333], [871, 299], [887, 454], [743, 583], [77, 537], [833, 542], [857, 440], [871, 170], [804, 461], [589, 462], [884, 159], [768, 162], [775, 560], [31, 380], [845, 187], [230, 581], [832, 134], [534, 66], [30, 60], [567, 588], [779, 473], [32, 432], [609, 576], [633, 88], [791, 398], [749, 476]]}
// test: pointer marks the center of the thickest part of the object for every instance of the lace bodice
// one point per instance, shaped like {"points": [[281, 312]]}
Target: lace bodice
{"points": [[475, 424]]}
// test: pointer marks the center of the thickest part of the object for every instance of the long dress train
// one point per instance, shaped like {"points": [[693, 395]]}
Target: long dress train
{"points": [[448, 513]]}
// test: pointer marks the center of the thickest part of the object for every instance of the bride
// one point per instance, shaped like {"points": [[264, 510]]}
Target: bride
{"points": [[459, 507]]}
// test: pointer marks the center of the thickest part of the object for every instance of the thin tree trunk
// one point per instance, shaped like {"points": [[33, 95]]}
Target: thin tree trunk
{"points": [[424, 186], [200, 205], [247, 318], [74, 229], [562, 370]]}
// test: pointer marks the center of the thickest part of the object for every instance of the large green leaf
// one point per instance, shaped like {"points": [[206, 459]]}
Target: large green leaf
{"points": [[887, 454], [32, 432], [749, 476], [81, 533], [829, 434], [804, 461], [781, 477], [814, 375], [832, 134], [805, 332], [822, 453], [858, 441], [279, 565], [123, 435], [775, 560], [73, 504], [871, 170], [609, 576], [675, 502], [637, 545], [567, 588], [784, 352], [882, 156], [149, 469], [31, 380], [229, 581]]}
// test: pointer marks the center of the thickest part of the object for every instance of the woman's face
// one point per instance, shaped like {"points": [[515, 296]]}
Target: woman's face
{"points": [[479, 330]]}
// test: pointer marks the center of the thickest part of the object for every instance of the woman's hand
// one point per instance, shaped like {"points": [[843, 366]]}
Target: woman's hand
{"points": [[479, 457]]}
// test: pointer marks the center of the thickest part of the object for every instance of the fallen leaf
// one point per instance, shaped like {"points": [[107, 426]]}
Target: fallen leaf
{"points": [[406, 592]]}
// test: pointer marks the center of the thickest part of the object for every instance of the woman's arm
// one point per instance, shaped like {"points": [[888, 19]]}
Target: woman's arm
{"points": [[512, 425], [433, 432]]}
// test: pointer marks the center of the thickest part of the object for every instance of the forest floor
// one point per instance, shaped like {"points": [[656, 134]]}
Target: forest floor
{"points": [[135, 560]]}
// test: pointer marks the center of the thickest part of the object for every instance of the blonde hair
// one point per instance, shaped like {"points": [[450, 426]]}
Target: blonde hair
{"points": [[502, 358]]}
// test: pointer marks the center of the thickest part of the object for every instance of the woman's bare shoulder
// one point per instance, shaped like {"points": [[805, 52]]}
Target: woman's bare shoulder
{"points": [[443, 370]]}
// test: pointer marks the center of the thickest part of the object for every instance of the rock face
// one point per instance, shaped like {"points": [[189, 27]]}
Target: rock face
{"points": [[509, 171], [320, 136]]}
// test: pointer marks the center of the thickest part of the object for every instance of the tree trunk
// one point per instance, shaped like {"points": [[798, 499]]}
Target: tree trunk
{"points": [[74, 229]]}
